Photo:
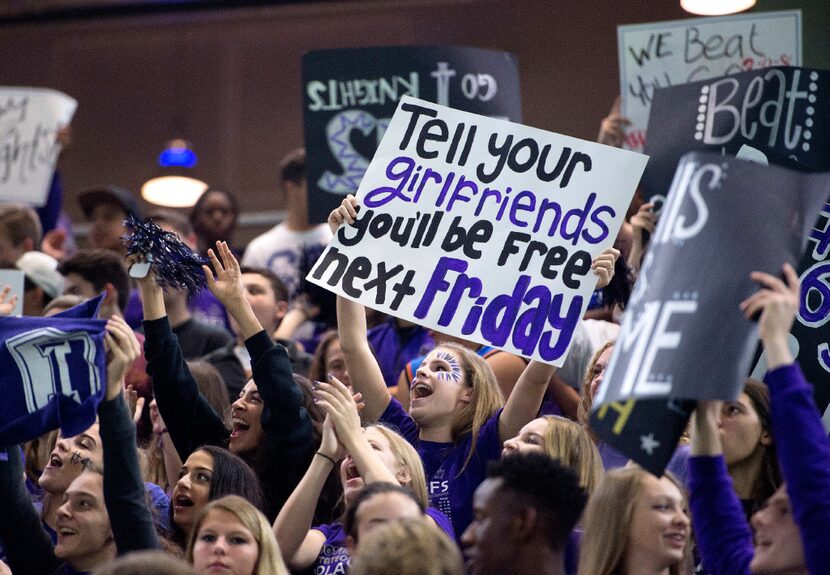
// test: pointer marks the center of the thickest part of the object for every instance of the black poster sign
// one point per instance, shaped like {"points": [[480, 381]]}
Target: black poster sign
{"points": [[783, 109], [683, 336], [811, 328], [349, 96]]}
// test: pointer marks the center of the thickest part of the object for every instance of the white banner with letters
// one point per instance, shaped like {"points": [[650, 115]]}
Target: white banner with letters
{"points": [[481, 228], [663, 54], [29, 122]]}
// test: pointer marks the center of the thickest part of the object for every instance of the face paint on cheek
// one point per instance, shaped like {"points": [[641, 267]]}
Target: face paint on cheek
{"points": [[455, 369], [76, 458]]}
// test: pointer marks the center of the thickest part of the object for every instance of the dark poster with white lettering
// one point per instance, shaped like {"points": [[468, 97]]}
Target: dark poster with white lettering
{"points": [[349, 96], [683, 336], [811, 328], [810, 337], [784, 109]]}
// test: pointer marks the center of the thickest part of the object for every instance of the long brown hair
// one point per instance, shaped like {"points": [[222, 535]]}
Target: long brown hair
{"points": [[769, 478], [567, 442], [485, 400], [269, 561], [607, 521], [586, 400]]}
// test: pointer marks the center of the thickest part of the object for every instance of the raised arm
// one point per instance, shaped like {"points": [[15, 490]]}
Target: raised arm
{"points": [[28, 547], [337, 402], [131, 520], [191, 422], [802, 443], [526, 398], [723, 535], [300, 545], [364, 370], [612, 127], [644, 221], [228, 288], [285, 415]]}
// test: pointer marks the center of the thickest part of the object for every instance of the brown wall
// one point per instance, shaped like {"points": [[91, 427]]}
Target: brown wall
{"points": [[229, 80]]}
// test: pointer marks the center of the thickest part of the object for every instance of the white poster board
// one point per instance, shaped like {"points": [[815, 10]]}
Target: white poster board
{"points": [[481, 228], [29, 122], [15, 279], [663, 54]]}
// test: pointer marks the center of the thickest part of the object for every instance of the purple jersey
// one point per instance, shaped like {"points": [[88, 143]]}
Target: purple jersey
{"points": [[451, 480]]}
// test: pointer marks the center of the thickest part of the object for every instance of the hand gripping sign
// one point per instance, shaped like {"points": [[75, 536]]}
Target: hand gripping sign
{"points": [[683, 337]]}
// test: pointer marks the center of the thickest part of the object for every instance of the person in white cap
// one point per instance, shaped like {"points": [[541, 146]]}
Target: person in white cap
{"points": [[42, 281]]}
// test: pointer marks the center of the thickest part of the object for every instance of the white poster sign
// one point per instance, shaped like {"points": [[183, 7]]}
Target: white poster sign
{"points": [[663, 54], [481, 228], [29, 122], [15, 279]]}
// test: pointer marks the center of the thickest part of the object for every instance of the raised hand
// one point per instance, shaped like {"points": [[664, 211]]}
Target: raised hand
{"points": [[645, 220], [777, 302], [122, 350], [227, 286], [330, 445], [705, 434], [612, 128], [7, 303], [340, 406], [345, 212], [134, 402], [603, 266]]}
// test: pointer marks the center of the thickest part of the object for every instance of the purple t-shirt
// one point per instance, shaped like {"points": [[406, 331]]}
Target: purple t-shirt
{"points": [[450, 489], [334, 555]]}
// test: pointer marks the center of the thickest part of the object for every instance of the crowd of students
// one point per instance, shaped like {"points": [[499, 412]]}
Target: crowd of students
{"points": [[265, 428]]}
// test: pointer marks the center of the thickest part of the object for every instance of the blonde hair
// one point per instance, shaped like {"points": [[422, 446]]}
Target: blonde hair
{"points": [[270, 560], [407, 547], [409, 458], [586, 400], [607, 521], [486, 398], [567, 442]]}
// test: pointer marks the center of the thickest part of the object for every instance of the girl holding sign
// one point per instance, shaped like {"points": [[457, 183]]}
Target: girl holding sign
{"points": [[457, 418]]}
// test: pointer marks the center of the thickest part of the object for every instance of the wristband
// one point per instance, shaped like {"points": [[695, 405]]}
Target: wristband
{"points": [[324, 456]]}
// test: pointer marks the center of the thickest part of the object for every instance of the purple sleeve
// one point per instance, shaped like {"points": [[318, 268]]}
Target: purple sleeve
{"points": [[804, 455], [723, 535], [395, 416], [488, 442], [441, 521], [325, 529]]}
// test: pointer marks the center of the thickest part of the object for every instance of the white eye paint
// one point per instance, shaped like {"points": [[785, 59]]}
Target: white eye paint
{"points": [[455, 369]]}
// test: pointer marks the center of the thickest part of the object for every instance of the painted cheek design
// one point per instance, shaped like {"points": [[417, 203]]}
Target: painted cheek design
{"points": [[455, 370]]}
